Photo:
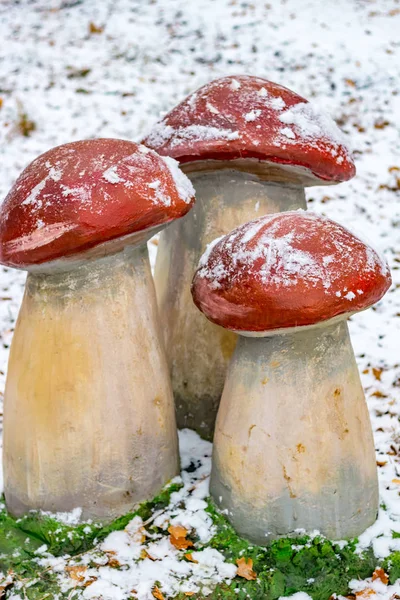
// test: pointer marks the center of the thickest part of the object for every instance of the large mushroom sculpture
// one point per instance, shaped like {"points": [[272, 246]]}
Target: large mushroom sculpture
{"points": [[293, 445], [250, 147], [88, 402]]}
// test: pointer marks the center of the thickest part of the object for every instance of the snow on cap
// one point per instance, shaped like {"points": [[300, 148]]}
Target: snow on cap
{"points": [[287, 270], [250, 117], [82, 194]]}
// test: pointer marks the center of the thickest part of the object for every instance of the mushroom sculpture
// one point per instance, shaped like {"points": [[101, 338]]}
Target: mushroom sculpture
{"points": [[293, 445], [250, 147], [88, 401]]}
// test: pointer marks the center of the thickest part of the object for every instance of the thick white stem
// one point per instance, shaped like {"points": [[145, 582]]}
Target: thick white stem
{"points": [[199, 351], [88, 414], [293, 445]]}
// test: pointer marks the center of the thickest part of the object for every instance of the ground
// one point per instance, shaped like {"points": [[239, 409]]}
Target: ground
{"points": [[74, 69]]}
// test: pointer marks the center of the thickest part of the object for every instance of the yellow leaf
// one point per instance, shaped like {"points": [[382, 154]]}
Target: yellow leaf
{"points": [[190, 558], [157, 593], [245, 569], [95, 28], [144, 554]]}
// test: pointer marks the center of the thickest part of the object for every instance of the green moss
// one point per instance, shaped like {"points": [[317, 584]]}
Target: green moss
{"points": [[288, 565], [313, 565]]}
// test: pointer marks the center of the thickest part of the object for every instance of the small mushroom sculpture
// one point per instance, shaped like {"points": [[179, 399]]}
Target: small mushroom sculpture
{"points": [[89, 415], [250, 147], [293, 445]]}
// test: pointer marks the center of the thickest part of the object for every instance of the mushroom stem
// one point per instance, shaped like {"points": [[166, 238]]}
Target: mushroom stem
{"points": [[88, 373], [293, 445], [198, 350]]}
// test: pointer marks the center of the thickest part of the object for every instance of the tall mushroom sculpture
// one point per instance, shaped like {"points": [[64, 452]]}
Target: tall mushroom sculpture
{"points": [[250, 147], [88, 401], [293, 445]]}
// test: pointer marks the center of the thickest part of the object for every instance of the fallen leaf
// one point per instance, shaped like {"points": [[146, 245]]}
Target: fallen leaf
{"points": [[77, 572], [190, 558], [365, 593], [157, 593], [245, 569], [381, 463], [380, 574], [379, 394], [189, 593], [178, 537], [180, 543], [144, 554], [377, 373], [1, 102], [396, 481], [177, 531], [113, 563], [350, 82], [381, 124], [95, 28], [5, 584]]}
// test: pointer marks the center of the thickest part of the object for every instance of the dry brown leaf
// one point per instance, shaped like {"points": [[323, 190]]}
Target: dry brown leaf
{"points": [[178, 537], [180, 543], [365, 593], [379, 394], [77, 572], [190, 558], [350, 82], [377, 373], [113, 563], [393, 169], [381, 124], [95, 28], [380, 574], [177, 531], [245, 569], [157, 593], [189, 593], [1, 102], [381, 463], [396, 481]]}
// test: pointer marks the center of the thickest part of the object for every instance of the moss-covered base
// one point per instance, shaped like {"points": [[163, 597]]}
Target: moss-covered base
{"points": [[313, 565]]}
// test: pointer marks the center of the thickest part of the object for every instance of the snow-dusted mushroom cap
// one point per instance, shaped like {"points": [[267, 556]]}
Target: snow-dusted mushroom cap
{"points": [[79, 195], [244, 117], [286, 270]]}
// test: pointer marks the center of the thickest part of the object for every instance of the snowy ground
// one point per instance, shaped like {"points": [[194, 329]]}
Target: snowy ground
{"points": [[87, 68]]}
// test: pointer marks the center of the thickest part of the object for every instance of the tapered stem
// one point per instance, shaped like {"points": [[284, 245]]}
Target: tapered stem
{"points": [[88, 414], [293, 444], [199, 351]]}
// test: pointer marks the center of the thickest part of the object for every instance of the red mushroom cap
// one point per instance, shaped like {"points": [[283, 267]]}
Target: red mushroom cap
{"points": [[82, 194], [284, 270], [250, 117]]}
